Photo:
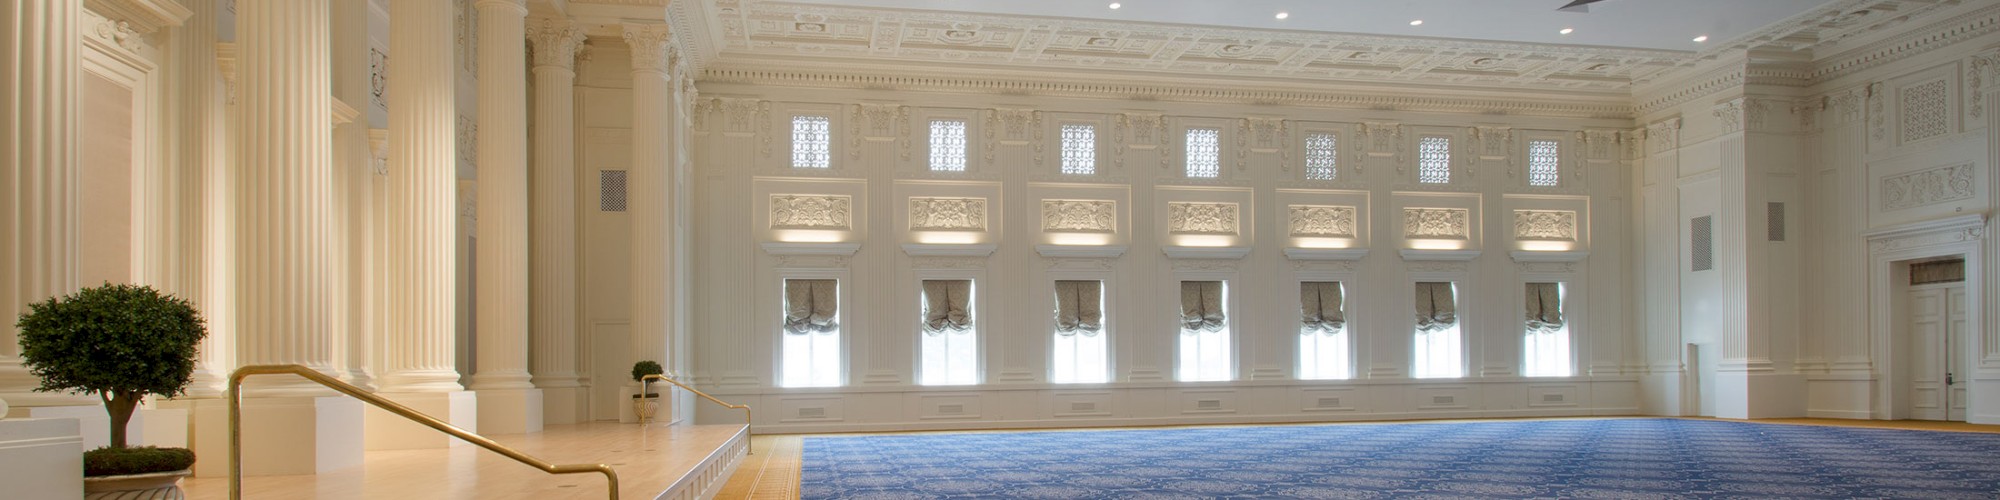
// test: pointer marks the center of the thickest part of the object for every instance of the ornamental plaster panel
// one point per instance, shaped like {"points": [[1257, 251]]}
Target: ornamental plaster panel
{"points": [[1323, 221], [1437, 223], [1202, 218], [1556, 225], [947, 214], [789, 211], [1080, 216], [1928, 187]]}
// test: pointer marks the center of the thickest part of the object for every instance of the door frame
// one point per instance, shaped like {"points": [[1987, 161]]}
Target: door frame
{"points": [[1890, 251]]}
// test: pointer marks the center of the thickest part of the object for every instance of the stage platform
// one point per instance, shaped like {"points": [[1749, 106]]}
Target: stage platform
{"points": [[678, 462]]}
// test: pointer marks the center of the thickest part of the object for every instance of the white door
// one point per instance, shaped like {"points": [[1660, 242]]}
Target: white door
{"points": [[1937, 330]]}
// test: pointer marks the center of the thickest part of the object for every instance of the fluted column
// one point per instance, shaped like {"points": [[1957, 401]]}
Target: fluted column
{"points": [[283, 191], [651, 190], [553, 263], [502, 305], [198, 110], [38, 147], [422, 199]]}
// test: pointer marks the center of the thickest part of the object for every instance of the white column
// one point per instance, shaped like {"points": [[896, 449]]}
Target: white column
{"points": [[38, 182], [353, 174], [423, 203], [553, 264], [417, 350], [198, 111], [651, 189], [508, 402]]}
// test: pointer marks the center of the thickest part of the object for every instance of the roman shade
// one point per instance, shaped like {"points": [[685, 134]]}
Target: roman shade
{"points": [[1201, 306], [1544, 307], [1320, 302], [811, 306], [1436, 307], [946, 306], [1079, 307]]}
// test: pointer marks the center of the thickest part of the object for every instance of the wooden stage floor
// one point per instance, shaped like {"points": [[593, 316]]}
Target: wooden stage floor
{"points": [[654, 460]]}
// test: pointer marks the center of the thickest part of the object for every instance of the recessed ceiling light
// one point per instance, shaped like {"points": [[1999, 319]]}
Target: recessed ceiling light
{"points": [[1282, 15], [1418, 22], [1702, 38], [1566, 31], [1116, 5]]}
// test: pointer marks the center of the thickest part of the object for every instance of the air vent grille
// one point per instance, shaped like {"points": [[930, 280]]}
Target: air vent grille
{"points": [[1701, 237], [1079, 406], [611, 190], [1443, 400], [812, 412], [1775, 220], [1329, 403], [1208, 404], [952, 409], [1552, 398]]}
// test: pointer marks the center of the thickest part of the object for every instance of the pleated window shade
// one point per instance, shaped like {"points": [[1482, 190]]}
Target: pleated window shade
{"points": [[1201, 306], [811, 306], [947, 306], [1320, 303], [1079, 307]]}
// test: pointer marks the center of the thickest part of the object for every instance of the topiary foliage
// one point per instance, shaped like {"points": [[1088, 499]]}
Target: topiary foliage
{"points": [[643, 368], [121, 342], [142, 460]]}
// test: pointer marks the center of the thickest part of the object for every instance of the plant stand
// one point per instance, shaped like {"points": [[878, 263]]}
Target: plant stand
{"points": [[154, 486]]}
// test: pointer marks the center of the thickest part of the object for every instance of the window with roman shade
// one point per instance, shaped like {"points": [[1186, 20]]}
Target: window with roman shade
{"points": [[1437, 351], [948, 348], [1545, 349], [1079, 307], [1204, 350], [811, 306], [1323, 344]]}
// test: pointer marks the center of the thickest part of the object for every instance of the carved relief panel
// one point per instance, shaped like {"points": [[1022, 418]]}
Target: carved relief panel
{"points": [[1202, 218], [1437, 223], [1928, 187], [1323, 221], [947, 214], [792, 211], [1080, 216], [1555, 225]]}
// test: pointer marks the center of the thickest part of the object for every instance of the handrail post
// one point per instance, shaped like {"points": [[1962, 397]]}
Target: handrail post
{"points": [[234, 394], [645, 385]]}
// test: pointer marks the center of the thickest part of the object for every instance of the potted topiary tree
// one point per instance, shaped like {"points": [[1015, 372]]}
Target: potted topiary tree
{"points": [[645, 403], [121, 342]]}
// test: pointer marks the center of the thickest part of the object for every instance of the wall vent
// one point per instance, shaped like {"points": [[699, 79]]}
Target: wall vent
{"points": [[812, 412], [1208, 404], [1775, 220], [1329, 403], [611, 190], [1701, 237], [1552, 398], [1081, 406], [951, 409], [1443, 400]]}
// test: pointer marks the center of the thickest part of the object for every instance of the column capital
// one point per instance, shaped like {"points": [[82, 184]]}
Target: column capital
{"points": [[556, 42], [519, 7], [652, 46]]}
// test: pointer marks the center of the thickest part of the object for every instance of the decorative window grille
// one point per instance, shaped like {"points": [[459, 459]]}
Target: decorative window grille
{"points": [[1322, 156], [1544, 163], [1701, 236], [1774, 218], [611, 190], [812, 142], [947, 145], [1079, 149], [1434, 160], [1204, 153]]}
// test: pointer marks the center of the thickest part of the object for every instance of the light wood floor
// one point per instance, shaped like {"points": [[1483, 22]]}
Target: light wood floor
{"points": [[773, 473], [648, 459]]}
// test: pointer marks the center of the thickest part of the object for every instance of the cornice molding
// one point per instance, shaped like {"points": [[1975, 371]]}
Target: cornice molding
{"points": [[1071, 86], [143, 16], [1943, 33]]}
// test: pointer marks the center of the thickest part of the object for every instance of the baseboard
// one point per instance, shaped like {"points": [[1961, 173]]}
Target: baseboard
{"points": [[819, 428]]}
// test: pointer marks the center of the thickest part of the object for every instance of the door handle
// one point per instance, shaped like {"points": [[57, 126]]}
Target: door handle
{"points": [[1948, 380]]}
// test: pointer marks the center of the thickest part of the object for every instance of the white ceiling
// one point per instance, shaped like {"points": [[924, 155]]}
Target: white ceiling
{"points": [[1644, 24]]}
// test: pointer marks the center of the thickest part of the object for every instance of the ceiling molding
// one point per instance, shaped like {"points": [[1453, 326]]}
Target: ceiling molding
{"points": [[1909, 43], [1072, 85]]}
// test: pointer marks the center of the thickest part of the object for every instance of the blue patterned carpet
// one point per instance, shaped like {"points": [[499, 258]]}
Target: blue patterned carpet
{"points": [[1619, 458]]}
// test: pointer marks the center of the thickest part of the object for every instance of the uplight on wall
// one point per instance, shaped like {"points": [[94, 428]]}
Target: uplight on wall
{"points": [[1437, 244], [948, 237], [1322, 242], [1079, 239], [1548, 246], [809, 236], [1202, 240]]}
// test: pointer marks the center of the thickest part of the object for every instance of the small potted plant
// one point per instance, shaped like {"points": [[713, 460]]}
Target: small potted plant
{"points": [[121, 342], [645, 403]]}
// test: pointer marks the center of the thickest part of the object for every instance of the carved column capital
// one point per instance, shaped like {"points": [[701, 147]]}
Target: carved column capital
{"points": [[556, 42], [652, 46]]}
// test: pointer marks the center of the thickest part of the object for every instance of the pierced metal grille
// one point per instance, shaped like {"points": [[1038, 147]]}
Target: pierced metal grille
{"points": [[1204, 153], [947, 145], [1701, 237], [1322, 156], [1943, 271], [1544, 163], [1434, 160], [1079, 149], [812, 142], [1774, 219], [611, 190]]}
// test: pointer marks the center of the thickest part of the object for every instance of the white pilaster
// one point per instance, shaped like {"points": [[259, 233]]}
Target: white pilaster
{"points": [[353, 174], [38, 106], [651, 191], [423, 199], [198, 109], [508, 402], [553, 264]]}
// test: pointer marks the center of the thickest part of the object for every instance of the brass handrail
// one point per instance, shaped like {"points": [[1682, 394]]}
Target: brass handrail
{"points": [[646, 386], [235, 397]]}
